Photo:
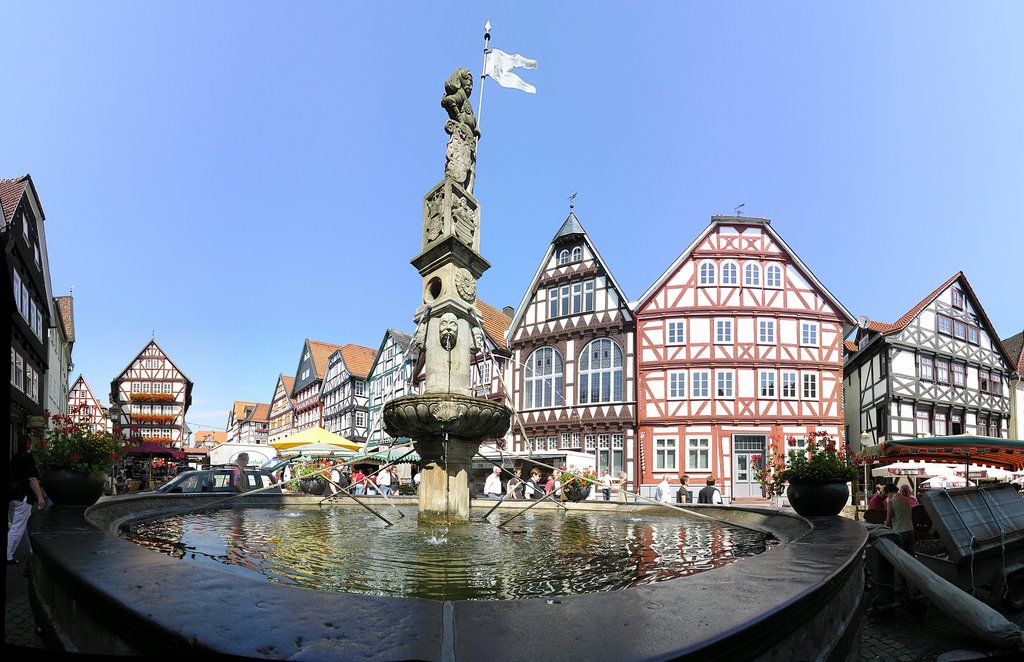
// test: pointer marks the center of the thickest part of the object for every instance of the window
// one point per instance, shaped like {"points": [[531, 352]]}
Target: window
{"points": [[809, 334], [983, 381], [590, 442], [544, 378], [707, 273], [305, 373], [17, 289], [360, 418], [729, 273], [724, 380], [959, 329], [958, 299], [146, 386], [942, 371], [552, 442], [565, 440], [665, 453], [773, 276], [563, 256], [766, 332], [956, 423], [767, 379], [676, 332], [945, 325], [994, 426], [924, 421], [700, 379], [959, 375], [575, 439], [19, 372], [880, 421], [26, 220], [798, 446], [601, 372], [677, 384], [723, 331], [360, 387], [571, 299], [810, 386], [972, 334], [788, 384], [752, 275], [577, 254], [698, 453], [927, 368], [940, 423]]}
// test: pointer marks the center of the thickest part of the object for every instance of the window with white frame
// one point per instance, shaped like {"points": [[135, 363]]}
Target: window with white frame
{"points": [[796, 445], [676, 332], [939, 422], [617, 440], [571, 299], [698, 453], [766, 332], [707, 273], [677, 384], [360, 387], [19, 372], [752, 275], [565, 440], [766, 380], [577, 254], [729, 273], [972, 334], [942, 371], [360, 418], [959, 330], [563, 256], [601, 372], [924, 421], [575, 439], [788, 379], [809, 334], [146, 387], [723, 331], [959, 374], [926, 366], [724, 383], [701, 383], [773, 276], [810, 386], [590, 442], [544, 379], [944, 325], [958, 298], [665, 451], [552, 442]]}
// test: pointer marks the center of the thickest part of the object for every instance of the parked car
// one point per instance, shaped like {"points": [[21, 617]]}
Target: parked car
{"points": [[218, 480]]}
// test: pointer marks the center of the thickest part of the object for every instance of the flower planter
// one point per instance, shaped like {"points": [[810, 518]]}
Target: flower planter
{"points": [[818, 498], [315, 487], [576, 493], [69, 488]]}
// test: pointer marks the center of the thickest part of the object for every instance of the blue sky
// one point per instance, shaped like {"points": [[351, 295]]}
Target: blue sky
{"points": [[236, 177]]}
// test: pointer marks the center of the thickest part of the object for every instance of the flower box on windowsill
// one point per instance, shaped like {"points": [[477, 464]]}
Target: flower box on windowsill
{"points": [[151, 397]]}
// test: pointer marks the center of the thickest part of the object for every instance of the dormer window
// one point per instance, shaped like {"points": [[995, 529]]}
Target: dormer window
{"points": [[958, 299], [577, 254], [707, 273], [563, 257]]}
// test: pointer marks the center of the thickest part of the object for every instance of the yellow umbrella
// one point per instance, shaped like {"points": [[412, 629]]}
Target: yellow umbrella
{"points": [[315, 436]]}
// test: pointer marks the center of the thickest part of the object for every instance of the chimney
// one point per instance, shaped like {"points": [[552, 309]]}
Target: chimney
{"points": [[509, 311]]}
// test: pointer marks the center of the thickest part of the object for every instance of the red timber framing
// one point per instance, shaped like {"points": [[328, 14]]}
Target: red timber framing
{"points": [[153, 396], [738, 344]]}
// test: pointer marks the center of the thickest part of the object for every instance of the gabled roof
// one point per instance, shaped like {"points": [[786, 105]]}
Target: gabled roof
{"points": [[261, 414], [238, 409], [188, 382], [910, 315], [1014, 346], [571, 226], [207, 436], [288, 383], [401, 338], [320, 352], [65, 305], [496, 323], [850, 345], [765, 225], [11, 191], [358, 359]]}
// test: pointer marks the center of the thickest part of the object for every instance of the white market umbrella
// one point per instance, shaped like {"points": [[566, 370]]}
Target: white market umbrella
{"points": [[944, 483], [315, 436]]}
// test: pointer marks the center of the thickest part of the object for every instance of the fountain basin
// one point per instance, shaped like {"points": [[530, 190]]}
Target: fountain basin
{"points": [[101, 594], [432, 415]]}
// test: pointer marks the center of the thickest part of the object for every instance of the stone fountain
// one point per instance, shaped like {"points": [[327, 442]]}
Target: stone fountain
{"points": [[445, 422]]}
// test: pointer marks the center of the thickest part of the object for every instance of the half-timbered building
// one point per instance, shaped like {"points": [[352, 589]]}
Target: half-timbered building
{"points": [[739, 345], [391, 376], [24, 240], [938, 370], [344, 391], [249, 423], [309, 409], [571, 367], [1014, 346], [153, 396], [60, 342], [282, 408], [487, 368], [86, 408]]}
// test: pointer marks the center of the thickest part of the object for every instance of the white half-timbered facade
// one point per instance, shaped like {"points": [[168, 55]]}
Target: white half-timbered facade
{"points": [[282, 409], [249, 423], [153, 396], [85, 407], [390, 377], [309, 409], [738, 346], [571, 370], [60, 342], [344, 390], [1014, 346], [939, 370]]}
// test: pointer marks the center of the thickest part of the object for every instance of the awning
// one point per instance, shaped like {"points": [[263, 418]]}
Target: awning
{"points": [[389, 455], [316, 435], [963, 449]]}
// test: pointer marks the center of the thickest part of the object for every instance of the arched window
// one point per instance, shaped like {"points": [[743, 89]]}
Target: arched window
{"points": [[752, 275], [773, 276], [577, 254], [707, 273], [544, 383], [563, 257], [601, 372], [729, 273]]}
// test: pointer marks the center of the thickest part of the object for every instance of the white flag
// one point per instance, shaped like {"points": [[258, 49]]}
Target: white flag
{"points": [[499, 65]]}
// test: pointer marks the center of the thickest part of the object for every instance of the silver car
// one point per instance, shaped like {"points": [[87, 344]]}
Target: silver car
{"points": [[219, 480]]}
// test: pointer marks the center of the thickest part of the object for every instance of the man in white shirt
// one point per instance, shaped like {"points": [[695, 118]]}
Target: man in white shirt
{"points": [[661, 494], [384, 481], [492, 486]]}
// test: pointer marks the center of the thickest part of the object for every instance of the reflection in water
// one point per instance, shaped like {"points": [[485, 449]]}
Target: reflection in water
{"points": [[537, 555]]}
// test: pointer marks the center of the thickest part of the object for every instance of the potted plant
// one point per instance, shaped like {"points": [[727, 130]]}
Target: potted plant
{"points": [[312, 477], [575, 483], [73, 459], [814, 480]]}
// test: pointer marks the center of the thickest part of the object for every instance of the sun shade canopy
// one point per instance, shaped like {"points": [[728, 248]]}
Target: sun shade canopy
{"points": [[316, 436], [957, 449]]}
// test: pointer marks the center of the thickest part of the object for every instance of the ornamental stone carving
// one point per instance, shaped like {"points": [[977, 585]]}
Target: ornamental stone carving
{"points": [[465, 285], [448, 331], [464, 220]]}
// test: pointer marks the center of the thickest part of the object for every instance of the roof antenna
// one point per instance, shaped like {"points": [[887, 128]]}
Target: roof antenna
{"points": [[739, 208], [572, 200]]}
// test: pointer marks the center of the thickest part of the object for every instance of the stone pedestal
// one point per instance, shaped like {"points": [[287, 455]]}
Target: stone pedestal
{"points": [[444, 480]]}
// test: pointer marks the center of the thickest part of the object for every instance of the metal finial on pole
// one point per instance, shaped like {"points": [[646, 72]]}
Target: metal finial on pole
{"points": [[572, 200], [483, 74]]}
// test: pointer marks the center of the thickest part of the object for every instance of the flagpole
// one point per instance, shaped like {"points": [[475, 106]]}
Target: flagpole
{"points": [[483, 74]]}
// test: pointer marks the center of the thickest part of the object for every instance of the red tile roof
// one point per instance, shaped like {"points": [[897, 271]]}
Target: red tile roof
{"points": [[321, 352], [850, 345], [908, 316], [216, 436], [496, 322], [1015, 348], [358, 359], [11, 191], [67, 314], [238, 409], [261, 414], [289, 384]]}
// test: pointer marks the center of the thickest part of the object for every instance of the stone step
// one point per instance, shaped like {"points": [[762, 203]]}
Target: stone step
{"points": [[751, 500]]}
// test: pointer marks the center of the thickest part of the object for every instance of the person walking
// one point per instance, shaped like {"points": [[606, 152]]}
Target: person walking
{"points": [[662, 492], [384, 481], [533, 488], [623, 482], [683, 493], [492, 486], [358, 482], [241, 479], [710, 493], [606, 485], [898, 518], [25, 476], [515, 484]]}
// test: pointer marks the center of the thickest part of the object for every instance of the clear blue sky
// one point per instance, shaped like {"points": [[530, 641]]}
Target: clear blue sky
{"points": [[240, 176]]}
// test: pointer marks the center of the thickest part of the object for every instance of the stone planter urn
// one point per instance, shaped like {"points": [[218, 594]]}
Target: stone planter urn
{"points": [[576, 493], [70, 488], [818, 498], [312, 486]]}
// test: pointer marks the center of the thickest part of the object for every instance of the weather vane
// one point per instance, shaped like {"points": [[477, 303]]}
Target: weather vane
{"points": [[572, 200], [739, 208]]}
